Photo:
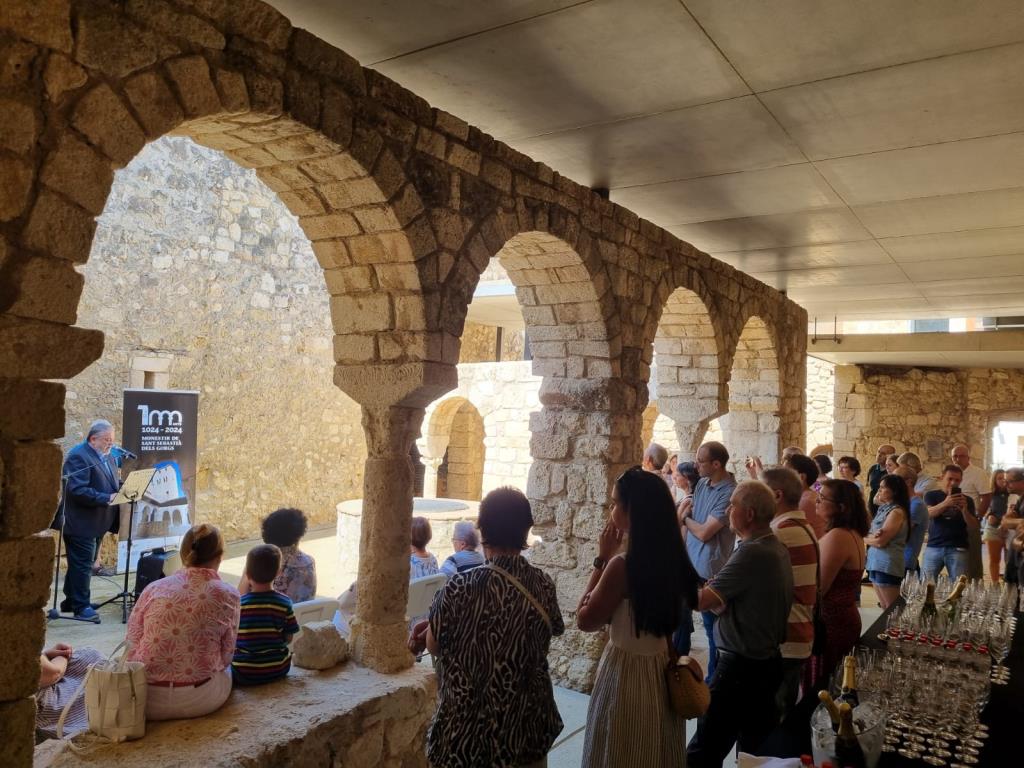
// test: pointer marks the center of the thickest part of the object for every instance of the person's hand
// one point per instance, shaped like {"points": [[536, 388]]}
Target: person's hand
{"points": [[112, 497], [754, 466], [685, 509], [609, 541], [992, 520], [418, 637], [58, 651]]}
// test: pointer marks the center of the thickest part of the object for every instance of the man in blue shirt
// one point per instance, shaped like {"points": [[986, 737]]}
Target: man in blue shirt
{"points": [[951, 515], [705, 524]]}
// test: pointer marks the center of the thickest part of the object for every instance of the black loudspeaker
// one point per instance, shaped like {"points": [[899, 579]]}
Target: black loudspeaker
{"points": [[151, 567]]}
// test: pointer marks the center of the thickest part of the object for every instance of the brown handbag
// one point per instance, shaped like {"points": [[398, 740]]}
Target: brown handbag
{"points": [[688, 694]]}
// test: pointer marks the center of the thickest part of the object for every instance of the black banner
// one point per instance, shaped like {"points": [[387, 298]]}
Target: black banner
{"points": [[160, 427]]}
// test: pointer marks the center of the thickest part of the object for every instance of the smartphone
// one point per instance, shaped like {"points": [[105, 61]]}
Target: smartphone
{"points": [[955, 491]]}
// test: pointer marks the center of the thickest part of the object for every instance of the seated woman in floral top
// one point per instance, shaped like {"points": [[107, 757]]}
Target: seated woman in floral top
{"points": [[490, 630], [183, 629], [284, 528]]}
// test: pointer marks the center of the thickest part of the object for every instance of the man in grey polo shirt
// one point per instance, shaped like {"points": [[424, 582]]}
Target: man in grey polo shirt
{"points": [[753, 595], [705, 523]]}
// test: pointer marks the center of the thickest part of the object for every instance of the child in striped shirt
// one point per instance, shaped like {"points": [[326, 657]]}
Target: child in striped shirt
{"points": [[266, 624]]}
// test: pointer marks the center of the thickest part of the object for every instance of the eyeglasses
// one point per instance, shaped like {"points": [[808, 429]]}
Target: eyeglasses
{"points": [[822, 499]]}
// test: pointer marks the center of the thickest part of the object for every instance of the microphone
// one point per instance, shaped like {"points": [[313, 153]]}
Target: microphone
{"points": [[122, 453]]}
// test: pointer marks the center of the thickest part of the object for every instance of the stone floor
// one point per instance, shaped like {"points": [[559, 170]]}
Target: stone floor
{"points": [[331, 580]]}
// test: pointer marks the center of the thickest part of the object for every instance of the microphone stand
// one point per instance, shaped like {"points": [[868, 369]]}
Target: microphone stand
{"points": [[124, 595], [53, 614]]}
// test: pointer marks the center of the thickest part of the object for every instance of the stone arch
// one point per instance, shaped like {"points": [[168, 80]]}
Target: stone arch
{"points": [[687, 366], [456, 429], [656, 427], [751, 426]]}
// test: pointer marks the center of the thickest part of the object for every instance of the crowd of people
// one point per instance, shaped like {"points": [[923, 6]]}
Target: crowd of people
{"points": [[773, 563]]}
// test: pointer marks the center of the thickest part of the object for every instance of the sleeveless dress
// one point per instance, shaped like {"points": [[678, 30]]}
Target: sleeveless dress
{"points": [[629, 721], [842, 628]]}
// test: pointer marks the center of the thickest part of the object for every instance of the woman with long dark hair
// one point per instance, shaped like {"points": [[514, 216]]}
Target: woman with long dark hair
{"points": [[887, 539], [643, 593]]}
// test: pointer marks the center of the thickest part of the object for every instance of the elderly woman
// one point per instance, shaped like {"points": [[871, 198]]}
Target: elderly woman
{"points": [[490, 629], [183, 629], [421, 562], [464, 541], [284, 528], [61, 672]]}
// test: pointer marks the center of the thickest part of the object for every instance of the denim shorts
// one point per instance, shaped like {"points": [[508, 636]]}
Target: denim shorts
{"points": [[884, 579]]}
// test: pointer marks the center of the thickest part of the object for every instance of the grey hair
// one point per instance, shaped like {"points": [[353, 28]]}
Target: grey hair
{"points": [[465, 531], [98, 427], [657, 454]]}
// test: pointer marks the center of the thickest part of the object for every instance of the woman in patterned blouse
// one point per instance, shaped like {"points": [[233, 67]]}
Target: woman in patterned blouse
{"points": [[183, 629], [489, 631], [284, 528]]}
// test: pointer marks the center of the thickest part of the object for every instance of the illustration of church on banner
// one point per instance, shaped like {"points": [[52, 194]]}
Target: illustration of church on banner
{"points": [[164, 507]]}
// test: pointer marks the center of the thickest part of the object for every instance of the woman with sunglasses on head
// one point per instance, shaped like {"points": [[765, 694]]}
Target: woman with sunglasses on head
{"points": [[842, 506], [643, 593]]}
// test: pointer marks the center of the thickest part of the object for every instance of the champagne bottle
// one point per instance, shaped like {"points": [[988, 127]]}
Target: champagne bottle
{"points": [[849, 689], [830, 706], [848, 751], [952, 602], [928, 610]]}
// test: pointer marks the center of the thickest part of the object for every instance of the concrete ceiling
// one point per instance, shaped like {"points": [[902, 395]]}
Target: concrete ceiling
{"points": [[867, 157]]}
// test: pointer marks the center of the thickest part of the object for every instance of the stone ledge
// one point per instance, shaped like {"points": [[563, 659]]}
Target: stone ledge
{"points": [[348, 716]]}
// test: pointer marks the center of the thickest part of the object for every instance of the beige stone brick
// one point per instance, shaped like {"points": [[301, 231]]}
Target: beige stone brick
{"points": [[231, 86], [253, 157], [19, 127], [401, 276], [355, 348], [463, 158], [302, 202], [31, 349], [80, 173], [324, 59], [168, 20], [109, 42], [45, 289], [154, 103], [196, 91], [451, 125], [59, 228], [31, 410], [16, 187], [329, 225], [343, 195], [102, 117], [337, 167], [349, 280], [62, 75], [266, 94], [358, 314], [25, 632], [47, 22], [376, 219], [331, 253]]}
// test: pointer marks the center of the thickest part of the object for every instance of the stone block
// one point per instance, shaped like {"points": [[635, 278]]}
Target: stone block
{"points": [[168, 20], [324, 59], [329, 225], [41, 350], [60, 229], [231, 86], [266, 94], [360, 314], [80, 173], [26, 567], [331, 253], [62, 75], [31, 409], [47, 22], [43, 289], [196, 91], [24, 630], [16, 188], [102, 117], [17, 725], [154, 103], [19, 128], [111, 43], [319, 646]]}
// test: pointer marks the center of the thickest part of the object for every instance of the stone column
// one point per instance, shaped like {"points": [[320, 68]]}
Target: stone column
{"points": [[380, 631], [430, 477]]}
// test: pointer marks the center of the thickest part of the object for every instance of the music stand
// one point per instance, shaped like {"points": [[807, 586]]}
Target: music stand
{"points": [[134, 487]]}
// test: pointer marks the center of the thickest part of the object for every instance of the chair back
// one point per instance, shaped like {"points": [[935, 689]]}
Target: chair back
{"points": [[421, 594], [317, 609]]}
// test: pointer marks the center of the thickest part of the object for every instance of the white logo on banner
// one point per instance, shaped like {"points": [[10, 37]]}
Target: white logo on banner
{"points": [[172, 418]]}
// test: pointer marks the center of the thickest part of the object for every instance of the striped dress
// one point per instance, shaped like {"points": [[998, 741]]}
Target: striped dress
{"points": [[629, 721], [265, 626]]}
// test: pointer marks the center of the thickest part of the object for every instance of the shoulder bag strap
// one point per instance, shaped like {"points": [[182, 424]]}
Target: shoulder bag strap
{"points": [[526, 593]]}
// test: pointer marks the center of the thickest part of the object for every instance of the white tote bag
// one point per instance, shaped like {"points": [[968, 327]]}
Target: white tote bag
{"points": [[115, 699]]}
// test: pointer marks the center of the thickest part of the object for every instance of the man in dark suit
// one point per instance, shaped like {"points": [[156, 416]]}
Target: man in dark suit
{"points": [[91, 482]]}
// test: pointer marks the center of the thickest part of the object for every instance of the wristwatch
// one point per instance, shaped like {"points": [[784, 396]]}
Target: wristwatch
{"points": [[600, 562]]}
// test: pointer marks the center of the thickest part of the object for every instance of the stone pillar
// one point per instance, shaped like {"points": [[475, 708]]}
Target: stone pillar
{"points": [[380, 631], [430, 478]]}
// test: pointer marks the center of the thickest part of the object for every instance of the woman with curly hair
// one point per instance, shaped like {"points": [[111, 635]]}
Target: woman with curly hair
{"points": [[284, 528]]}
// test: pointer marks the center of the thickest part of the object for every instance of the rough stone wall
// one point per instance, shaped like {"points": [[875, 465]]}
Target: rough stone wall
{"points": [[926, 411], [405, 206], [821, 377], [197, 264], [479, 344]]}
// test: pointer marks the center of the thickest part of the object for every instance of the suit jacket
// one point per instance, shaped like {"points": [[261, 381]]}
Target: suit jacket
{"points": [[90, 481]]}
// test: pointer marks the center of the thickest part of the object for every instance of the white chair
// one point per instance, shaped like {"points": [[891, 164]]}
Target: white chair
{"points": [[421, 594], [317, 609]]}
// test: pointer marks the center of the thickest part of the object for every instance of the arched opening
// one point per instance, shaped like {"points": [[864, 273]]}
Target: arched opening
{"points": [[751, 427], [686, 370], [455, 433], [658, 428], [196, 271]]}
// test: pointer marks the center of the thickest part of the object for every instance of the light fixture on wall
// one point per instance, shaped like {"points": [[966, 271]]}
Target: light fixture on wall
{"points": [[835, 331]]}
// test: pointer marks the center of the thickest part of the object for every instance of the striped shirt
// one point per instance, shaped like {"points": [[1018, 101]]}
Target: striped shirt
{"points": [[793, 530], [265, 627]]}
